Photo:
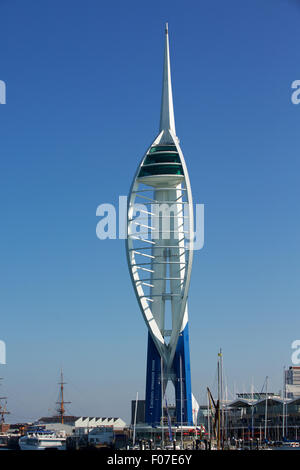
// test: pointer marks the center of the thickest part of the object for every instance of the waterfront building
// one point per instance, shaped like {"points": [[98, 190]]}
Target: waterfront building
{"points": [[247, 418], [103, 435], [84, 424], [292, 382]]}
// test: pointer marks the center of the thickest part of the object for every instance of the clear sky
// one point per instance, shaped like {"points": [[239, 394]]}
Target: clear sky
{"points": [[83, 99]]}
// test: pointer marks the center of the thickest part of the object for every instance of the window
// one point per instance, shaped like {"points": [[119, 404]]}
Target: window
{"points": [[161, 148], [162, 158], [164, 169]]}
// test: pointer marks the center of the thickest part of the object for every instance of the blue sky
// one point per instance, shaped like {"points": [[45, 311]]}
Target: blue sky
{"points": [[83, 96]]}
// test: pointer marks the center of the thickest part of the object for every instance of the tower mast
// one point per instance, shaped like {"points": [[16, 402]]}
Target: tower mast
{"points": [[167, 120]]}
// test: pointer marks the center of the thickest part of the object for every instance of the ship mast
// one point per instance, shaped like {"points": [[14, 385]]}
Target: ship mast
{"points": [[61, 409], [3, 411]]}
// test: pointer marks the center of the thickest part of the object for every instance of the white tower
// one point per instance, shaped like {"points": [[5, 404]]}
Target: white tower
{"points": [[159, 249]]}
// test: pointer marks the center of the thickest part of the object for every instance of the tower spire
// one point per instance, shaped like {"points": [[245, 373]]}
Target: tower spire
{"points": [[167, 120]]}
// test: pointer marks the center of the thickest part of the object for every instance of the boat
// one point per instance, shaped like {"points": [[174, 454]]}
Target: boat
{"points": [[40, 439], [3, 439]]}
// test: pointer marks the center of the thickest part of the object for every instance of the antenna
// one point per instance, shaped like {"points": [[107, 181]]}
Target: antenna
{"points": [[61, 409], [167, 120]]}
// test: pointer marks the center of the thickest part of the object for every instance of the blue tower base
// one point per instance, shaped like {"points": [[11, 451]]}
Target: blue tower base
{"points": [[182, 382]]}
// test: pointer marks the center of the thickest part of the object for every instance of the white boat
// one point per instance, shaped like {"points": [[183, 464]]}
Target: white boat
{"points": [[42, 440]]}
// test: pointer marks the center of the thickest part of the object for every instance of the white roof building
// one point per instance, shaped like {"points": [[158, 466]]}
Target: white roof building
{"points": [[86, 423]]}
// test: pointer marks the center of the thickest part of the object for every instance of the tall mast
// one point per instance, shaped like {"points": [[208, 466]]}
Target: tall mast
{"points": [[222, 397], [219, 400], [167, 120], [3, 409], [266, 409], [3, 412], [61, 409], [252, 410], [283, 401]]}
